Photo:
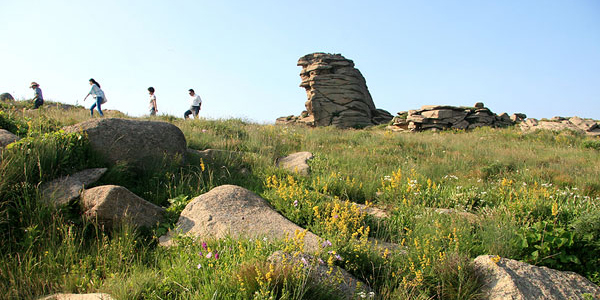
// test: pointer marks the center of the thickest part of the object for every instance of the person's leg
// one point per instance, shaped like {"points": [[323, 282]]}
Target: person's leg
{"points": [[92, 109], [187, 114], [99, 105], [196, 110], [37, 103]]}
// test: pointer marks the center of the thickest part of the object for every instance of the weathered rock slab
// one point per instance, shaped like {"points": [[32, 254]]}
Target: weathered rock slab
{"points": [[584, 124], [233, 210], [296, 162], [132, 141], [511, 279], [443, 117], [110, 205], [65, 189], [337, 278]]}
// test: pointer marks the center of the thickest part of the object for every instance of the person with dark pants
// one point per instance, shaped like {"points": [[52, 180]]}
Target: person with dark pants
{"points": [[98, 94], [38, 98], [195, 102]]}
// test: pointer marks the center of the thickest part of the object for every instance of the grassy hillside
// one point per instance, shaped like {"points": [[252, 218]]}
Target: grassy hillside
{"points": [[534, 197]]}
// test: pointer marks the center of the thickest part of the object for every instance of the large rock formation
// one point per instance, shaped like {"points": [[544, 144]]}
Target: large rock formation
{"points": [[586, 126], [132, 141], [511, 279], [233, 210], [440, 117], [337, 94]]}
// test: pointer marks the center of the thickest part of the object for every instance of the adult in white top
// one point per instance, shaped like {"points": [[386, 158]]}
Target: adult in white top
{"points": [[196, 103], [98, 94]]}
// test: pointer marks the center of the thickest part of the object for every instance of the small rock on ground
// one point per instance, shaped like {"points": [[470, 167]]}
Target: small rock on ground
{"points": [[296, 162]]}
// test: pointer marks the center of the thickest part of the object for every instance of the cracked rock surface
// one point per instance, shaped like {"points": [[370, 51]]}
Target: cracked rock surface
{"points": [[337, 94]]}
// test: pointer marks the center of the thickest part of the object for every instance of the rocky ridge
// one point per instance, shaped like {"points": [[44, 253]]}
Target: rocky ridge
{"points": [[586, 126], [442, 117]]}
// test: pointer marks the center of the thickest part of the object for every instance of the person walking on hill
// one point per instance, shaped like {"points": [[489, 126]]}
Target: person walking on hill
{"points": [[153, 107], [196, 102], [98, 94], [38, 98]]}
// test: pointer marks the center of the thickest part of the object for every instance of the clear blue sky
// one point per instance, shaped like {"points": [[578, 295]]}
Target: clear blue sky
{"points": [[541, 58]]}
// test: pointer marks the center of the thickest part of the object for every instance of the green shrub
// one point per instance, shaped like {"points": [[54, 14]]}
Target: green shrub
{"points": [[591, 144], [36, 159], [15, 125], [549, 244]]}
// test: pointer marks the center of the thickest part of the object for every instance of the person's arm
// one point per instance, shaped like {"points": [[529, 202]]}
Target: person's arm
{"points": [[92, 90]]}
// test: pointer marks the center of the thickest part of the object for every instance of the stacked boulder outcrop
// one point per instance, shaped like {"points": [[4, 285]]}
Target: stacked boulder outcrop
{"points": [[441, 117], [337, 94], [586, 126]]}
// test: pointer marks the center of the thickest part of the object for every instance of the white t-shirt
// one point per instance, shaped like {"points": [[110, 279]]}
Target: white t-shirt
{"points": [[195, 100], [152, 99]]}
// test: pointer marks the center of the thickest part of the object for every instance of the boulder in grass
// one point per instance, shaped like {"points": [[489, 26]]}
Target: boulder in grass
{"points": [[142, 143], [63, 190], [236, 211], [96, 296], [511, 279], [7, 137], [111, 205], [6, 97], [296, 162], [346, 285]]}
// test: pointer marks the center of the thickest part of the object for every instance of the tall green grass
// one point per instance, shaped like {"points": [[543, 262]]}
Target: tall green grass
{"points": [[517, 187]]}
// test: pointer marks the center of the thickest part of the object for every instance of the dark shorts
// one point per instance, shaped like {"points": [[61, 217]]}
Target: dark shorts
{"points": [[195, 110]]}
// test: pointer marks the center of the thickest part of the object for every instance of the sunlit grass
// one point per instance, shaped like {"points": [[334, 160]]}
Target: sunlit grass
{"points": [[500, 184]]}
